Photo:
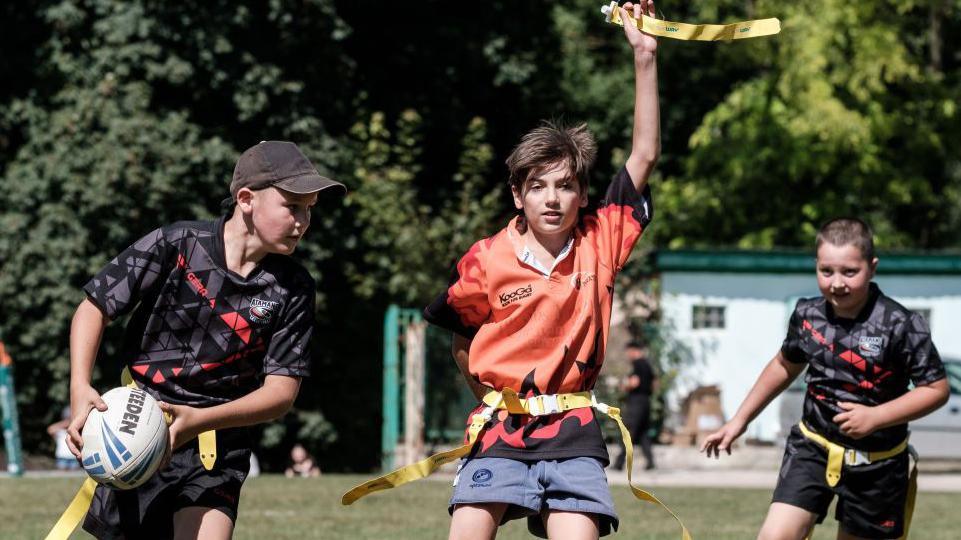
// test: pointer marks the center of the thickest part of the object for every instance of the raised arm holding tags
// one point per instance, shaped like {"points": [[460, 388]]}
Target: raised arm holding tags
{"points": [[646, 135]]}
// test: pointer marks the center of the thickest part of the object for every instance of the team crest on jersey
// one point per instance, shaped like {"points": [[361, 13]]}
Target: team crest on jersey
{"points": [[870, 345], [262, 310]]}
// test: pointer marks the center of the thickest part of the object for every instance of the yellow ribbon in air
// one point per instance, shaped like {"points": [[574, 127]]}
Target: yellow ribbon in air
{"points": [[695, 32]]}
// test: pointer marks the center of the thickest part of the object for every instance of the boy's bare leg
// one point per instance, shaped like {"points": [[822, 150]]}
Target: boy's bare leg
{"points": [[476, 521], [571, 525], [196, 522], [786, 522]]}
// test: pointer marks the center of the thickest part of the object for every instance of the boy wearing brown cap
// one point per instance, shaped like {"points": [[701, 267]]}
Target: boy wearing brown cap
{"points": [[219, 333]]}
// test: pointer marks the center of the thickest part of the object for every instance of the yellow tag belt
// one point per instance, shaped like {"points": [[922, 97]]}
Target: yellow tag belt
{"points": [[508, 400], [696, 32], [78, 507]]}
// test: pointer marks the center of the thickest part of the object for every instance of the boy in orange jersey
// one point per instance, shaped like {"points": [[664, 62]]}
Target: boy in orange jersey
{"points": [[530, 310]]}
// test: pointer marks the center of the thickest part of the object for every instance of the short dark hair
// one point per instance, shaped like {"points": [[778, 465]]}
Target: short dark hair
{"points": [[549, 144], [847, 231]]}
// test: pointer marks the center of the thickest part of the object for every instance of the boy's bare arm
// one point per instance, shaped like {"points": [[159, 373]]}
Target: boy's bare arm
{"points": [[775, 378], [460, 349], [646, 136], [86, 329], [858, 421], [269, 402]]}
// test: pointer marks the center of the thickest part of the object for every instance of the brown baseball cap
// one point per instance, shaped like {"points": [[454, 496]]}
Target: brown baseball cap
{"points": [[279, 164]]}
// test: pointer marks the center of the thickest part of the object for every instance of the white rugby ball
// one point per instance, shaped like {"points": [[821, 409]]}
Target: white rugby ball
{"points": [[124, 445]]}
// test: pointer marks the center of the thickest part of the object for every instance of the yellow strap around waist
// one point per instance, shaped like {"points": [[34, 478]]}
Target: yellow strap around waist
{"points": [[839, 455], [508, 400], [696, 32], [207, 442]]}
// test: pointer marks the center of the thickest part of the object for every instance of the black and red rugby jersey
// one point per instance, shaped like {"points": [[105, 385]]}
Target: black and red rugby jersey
{"points": [[201, 335], [541, 331], [870, 360]]}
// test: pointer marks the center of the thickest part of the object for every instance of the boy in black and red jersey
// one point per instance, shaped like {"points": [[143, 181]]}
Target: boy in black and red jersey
{"points": [[219, 333], [530, 309], [862, 351]]}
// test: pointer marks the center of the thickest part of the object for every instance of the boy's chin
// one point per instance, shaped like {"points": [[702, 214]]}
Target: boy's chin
{"points": [[284, 248], [551, 229]]}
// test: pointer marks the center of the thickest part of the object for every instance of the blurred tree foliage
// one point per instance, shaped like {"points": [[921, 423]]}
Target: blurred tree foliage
{"points": [[117, 116]]}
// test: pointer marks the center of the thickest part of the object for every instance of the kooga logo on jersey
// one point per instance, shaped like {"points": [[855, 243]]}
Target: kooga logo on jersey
{"points": [[513, 296]]}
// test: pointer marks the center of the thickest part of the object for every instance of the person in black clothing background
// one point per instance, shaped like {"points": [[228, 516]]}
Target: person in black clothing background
{"points": [[639, 385]]}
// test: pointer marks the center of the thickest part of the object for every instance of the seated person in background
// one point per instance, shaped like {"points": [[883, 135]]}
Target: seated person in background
{"points": [[301, 463], [58, 430]]}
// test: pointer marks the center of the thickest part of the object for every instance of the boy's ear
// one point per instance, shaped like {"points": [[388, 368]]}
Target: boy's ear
{"points": [[244, 200], [874, 265], [518, 196]]}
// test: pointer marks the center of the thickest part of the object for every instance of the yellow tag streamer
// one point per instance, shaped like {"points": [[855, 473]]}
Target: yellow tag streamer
{"points": [[696, 32]]}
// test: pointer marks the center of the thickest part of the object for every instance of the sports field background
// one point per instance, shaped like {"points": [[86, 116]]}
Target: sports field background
{"points": [[279, 508]]}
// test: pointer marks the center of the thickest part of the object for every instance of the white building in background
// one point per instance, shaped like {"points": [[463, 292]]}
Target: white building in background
{"points": [[731, 309]]}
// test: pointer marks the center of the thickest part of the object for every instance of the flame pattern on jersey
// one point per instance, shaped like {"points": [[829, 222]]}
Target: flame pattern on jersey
{"points": [[540, 334]]}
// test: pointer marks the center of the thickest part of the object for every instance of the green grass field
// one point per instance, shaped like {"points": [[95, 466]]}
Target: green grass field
{"points": [[279, 508]]}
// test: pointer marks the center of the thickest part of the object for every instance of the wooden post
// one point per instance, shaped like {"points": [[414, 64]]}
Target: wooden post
{"points": [[414, 360]]}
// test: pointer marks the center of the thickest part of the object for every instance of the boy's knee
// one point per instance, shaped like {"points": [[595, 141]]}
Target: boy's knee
{"points": [[782, 531]]}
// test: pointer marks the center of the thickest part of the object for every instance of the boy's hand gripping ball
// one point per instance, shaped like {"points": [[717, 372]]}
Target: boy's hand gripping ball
{"points": [[124, 445]]}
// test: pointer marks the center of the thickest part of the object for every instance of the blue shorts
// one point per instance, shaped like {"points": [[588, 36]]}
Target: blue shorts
{"points": [[531, 487]]}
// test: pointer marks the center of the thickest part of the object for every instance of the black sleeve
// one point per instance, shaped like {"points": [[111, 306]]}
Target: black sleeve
{"points": [[922, 360], [463, 307], [791, 348], [118, 287], [289, 350]]}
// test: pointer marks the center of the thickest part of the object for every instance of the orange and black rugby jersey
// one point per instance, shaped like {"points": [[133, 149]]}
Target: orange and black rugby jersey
{"points": [[543, 334], [200, 334], [870, 360]]}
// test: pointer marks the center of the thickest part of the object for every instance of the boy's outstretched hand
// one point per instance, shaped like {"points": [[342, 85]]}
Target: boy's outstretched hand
{"points": [[722, 438], [640, 41]]}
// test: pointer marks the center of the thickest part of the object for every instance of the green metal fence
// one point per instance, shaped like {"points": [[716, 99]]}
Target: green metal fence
{"points": [[447, 399]]}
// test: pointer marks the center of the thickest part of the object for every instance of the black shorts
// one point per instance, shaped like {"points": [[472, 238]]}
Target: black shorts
{"points": [[147, 511], [871, 498]]}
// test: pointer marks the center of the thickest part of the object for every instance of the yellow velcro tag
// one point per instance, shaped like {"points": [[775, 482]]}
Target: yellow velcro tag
{"points": [[74, 513], [832, 473], [421, 469], [697, 32], [912, 492], [126, 379], [512, 402], [615, 414], [415, 471], [207, 441]]}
